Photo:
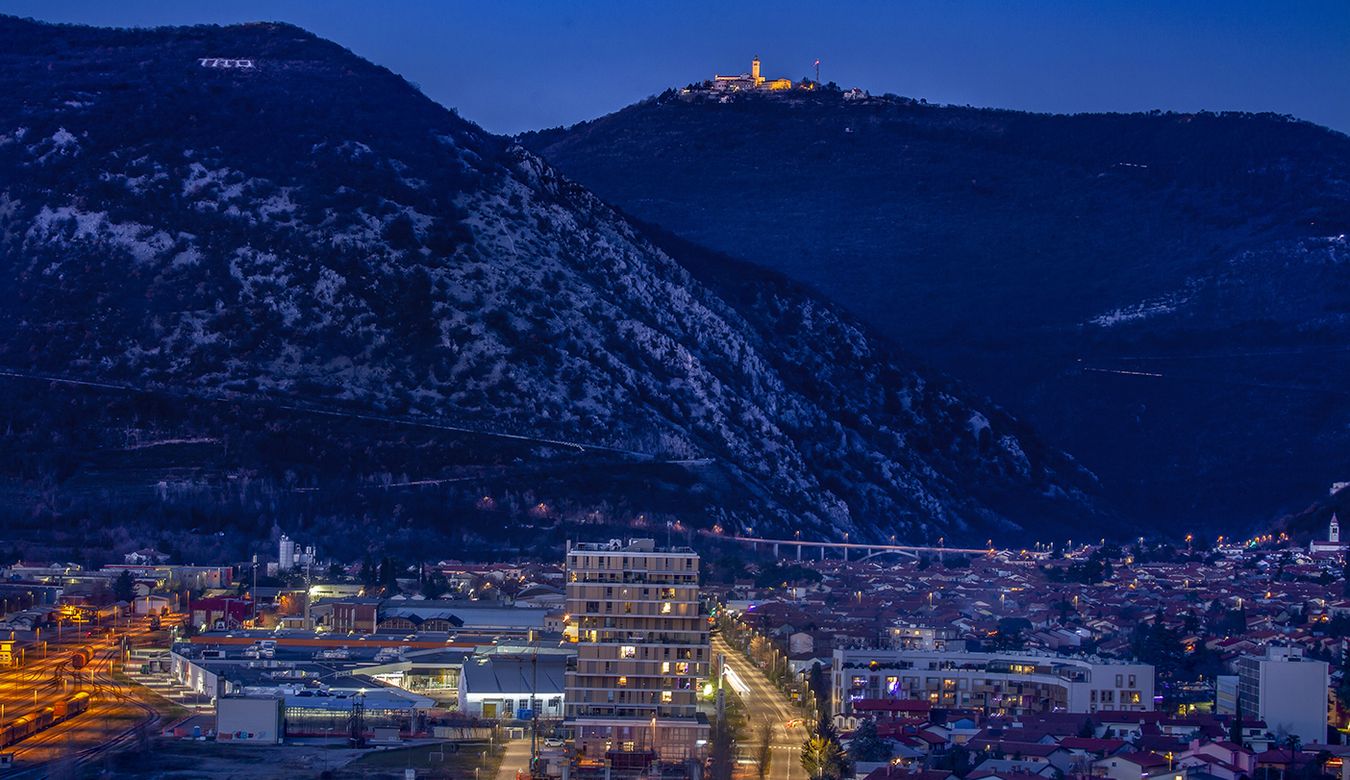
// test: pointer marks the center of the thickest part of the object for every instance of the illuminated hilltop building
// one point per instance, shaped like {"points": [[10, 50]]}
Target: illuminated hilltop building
{"points": [[752, 80]]}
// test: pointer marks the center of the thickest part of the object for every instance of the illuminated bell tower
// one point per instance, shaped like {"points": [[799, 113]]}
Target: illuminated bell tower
{"points": [[1334, 531], [754, 72]]}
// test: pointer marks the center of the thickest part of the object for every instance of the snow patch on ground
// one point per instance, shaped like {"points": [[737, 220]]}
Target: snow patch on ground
{"points": [[14, 137], [1139, 311], [278, 205], [68, 224], [187, 258], [226, 182], [977, 424], [62, 143], [170, 442]]}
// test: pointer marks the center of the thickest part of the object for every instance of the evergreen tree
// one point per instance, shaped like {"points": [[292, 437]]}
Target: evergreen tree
{"points": [[818, 687], [124, 589], [823, 756], [721, 751], [369, 574], [435, 585], [866, 745]]}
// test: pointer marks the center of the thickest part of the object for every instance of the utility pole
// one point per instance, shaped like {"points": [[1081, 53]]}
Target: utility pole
{"points": [[253, 595], [817, 70], [309, 563], [356, 725], [721, 694], [534, 703]]}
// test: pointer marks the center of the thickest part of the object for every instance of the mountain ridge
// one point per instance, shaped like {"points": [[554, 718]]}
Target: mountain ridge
{"points": [[310, 226], [1123, 282]]}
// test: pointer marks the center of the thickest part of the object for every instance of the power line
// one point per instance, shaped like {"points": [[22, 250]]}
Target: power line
{"points": [[310, 408], [1214, 381]]}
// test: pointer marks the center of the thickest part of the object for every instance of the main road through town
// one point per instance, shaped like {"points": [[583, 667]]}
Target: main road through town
{"points": [[764, 702]]}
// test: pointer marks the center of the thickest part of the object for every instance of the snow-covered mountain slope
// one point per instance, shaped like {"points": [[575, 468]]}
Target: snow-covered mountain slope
{"points": [[293, 222]]}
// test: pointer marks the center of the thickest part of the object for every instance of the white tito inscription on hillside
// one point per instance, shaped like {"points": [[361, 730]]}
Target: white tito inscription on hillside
{"points": [[220, 62]]}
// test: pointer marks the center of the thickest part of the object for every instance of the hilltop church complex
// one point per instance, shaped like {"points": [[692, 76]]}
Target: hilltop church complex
{"points": [[754, 81]]}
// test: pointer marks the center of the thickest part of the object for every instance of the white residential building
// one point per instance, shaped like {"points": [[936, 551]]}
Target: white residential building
{"points": [[1009, 683], [1287, 690]]}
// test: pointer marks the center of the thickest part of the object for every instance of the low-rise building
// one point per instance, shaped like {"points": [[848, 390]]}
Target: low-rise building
{"points": [[1137, 766], [993, 683], [249, 719], [501, 686]]}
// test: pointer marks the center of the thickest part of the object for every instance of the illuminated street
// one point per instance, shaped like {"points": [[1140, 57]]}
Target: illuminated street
{"points": [[763, 702]]}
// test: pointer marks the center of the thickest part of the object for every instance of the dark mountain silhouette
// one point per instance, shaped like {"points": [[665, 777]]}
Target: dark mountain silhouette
{"points": [[1165, 295]]}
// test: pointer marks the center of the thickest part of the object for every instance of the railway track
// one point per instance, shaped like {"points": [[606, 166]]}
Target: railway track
{"points": [[107, 692]]}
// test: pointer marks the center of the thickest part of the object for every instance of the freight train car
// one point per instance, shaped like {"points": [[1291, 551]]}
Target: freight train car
{"points": [[45, 718], [70, 707], [80, 658], [19, 728], [30, 724]]}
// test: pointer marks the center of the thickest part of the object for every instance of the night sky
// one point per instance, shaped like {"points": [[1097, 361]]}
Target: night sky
{"points": [[520, 66]]}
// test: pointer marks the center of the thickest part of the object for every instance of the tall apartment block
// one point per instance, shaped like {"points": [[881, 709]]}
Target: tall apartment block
{"points": [[642, 648], [1287, 690]]}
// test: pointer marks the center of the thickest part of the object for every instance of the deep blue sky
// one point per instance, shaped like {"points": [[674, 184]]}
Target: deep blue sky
{"points": [[513, 66]]}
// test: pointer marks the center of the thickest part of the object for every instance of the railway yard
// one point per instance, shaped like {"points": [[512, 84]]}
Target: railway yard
{"points": [[65, 704]]}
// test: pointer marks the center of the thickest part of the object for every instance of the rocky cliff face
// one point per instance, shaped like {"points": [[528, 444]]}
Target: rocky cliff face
{"points": [[298, 226]]}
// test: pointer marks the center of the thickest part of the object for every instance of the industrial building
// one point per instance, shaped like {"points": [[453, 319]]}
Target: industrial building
{"points": [[399, 685], [523, 683]]}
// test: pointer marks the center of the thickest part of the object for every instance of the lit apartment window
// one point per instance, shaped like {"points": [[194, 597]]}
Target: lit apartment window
{"points": [[665, 608], [665, 667], [628, 651], [667, 697], [682, 668], [623, 681]]}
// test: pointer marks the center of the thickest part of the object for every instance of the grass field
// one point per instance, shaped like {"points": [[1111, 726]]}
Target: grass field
{"points": [[460, 765]]}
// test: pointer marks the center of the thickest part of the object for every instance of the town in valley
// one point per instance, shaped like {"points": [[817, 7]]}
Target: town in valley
{"points": [[1169, 659], [533, 391]]}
